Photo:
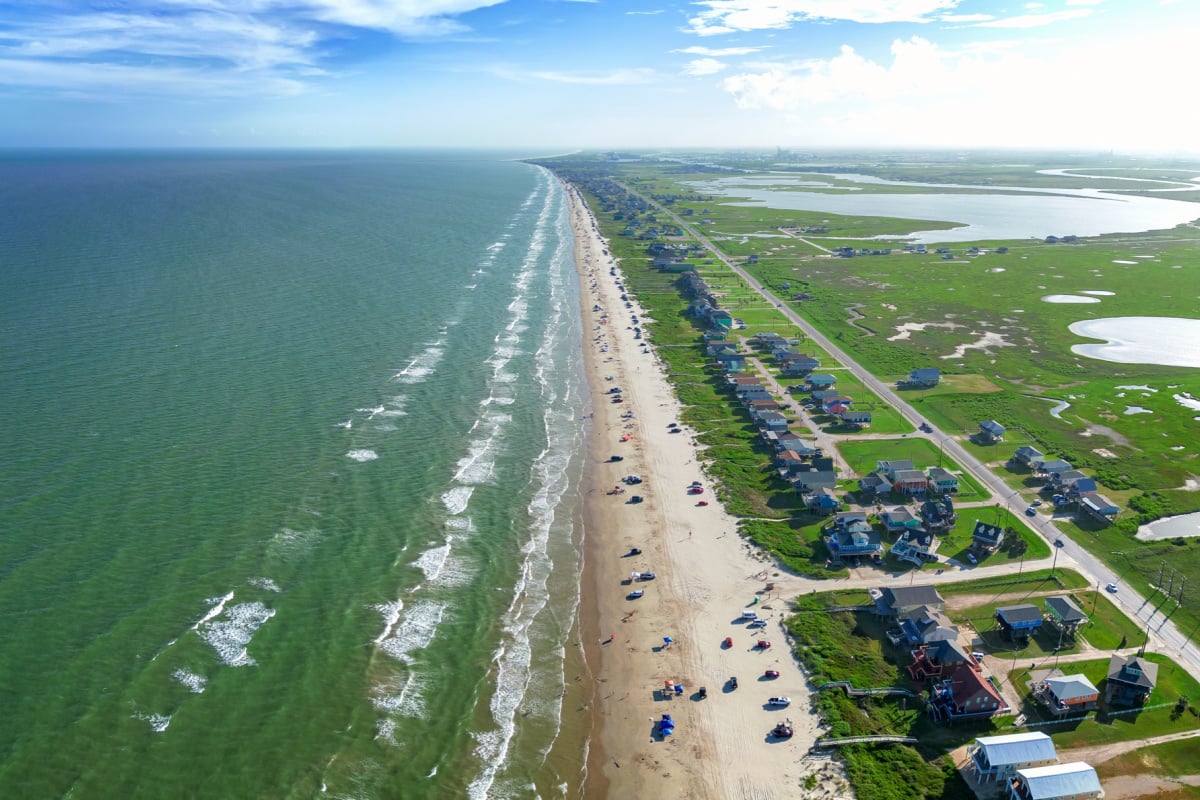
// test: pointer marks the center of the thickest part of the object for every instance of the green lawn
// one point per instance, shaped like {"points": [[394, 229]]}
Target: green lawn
{"points": [[862, 456], [1103, 728]]}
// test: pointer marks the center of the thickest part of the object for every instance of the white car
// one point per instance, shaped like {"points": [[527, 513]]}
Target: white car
{"points": [[779, 702]]}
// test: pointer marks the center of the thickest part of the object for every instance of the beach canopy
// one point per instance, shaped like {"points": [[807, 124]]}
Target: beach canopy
{"points": [[668, 639]]}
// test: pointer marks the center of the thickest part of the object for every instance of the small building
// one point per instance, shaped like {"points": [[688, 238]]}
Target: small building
{"points": [[1019, 621], [1066, 694], [924, 624], [916, 546], [1027, 455], [910, 482], [773, 421], [997, 758], [990, 432], [858, 540], [1049, 466], [899, 519], [874, 485], [1074, 781], [924, 378], [1131, 679], [821, 380], [893, 601], [1099, 507], [859, 419], [986, 538], [938, 660], [823, 501], [813, 479], [1064, 614], [942, 481], [890, 468], [966, 694]]}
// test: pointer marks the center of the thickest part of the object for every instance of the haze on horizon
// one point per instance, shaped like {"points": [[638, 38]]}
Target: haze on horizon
{"points": [[557, 74]]}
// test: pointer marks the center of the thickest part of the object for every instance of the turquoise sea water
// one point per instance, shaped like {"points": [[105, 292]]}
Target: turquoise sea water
{"points": [[288, 500]]}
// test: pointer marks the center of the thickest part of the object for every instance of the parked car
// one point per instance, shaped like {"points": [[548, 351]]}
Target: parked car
{"points": [[1036, 503], [779, 702], [971, 557], [758, 623]]}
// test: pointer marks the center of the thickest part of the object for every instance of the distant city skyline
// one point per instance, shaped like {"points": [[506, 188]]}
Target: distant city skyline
{"points": [[549, 75]]}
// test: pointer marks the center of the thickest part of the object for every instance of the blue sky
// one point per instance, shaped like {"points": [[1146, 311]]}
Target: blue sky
{"points": [[555, 74]]}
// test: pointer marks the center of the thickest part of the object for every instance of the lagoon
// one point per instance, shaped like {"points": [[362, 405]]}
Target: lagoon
{"points": [[1166, 341], [991, 213]]}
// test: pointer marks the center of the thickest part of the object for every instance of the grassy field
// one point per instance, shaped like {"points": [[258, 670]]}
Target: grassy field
{"points": [[863, 456], [1159, 719], [1169, 758]]}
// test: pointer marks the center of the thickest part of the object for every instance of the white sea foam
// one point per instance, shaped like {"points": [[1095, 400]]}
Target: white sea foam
{"points": [[457, 499], [415, 631], [191, 680], [391, 615], [513, 658], [362, 455], [476, 466], [423, 365], [371, 412], [230, 634], [264, 583], [348, 424], [158, 722], [216, 609], [433, 560], [405, 699]]}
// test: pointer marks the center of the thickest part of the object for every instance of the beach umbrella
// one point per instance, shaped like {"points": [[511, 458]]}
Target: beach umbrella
{"points": [[667, 640]]}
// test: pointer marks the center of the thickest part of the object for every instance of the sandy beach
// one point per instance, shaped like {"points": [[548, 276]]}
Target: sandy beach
{"points": [[706, 577]]}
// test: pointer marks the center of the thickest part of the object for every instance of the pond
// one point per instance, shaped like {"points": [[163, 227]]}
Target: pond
{"points": [[1166, 341], [1171, 527], [986, 213]]}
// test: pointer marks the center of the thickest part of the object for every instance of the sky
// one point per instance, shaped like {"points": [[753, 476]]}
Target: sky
{"points": [[553, 75]]}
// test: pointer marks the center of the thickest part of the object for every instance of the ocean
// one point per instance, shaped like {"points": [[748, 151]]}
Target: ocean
{"points": [[289, 480]]}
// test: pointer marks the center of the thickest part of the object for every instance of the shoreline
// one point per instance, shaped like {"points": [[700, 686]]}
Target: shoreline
{"points": [[706, 577]]}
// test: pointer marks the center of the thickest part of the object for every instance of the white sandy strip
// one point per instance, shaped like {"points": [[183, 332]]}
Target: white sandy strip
{"points": [[707, 576]]}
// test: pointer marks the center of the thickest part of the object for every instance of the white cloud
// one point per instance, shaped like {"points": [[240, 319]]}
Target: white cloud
{"points": [[239, 47], [1035, 20], [717, 52], [705, 66], [963, 18], [729, 16], [616, 77], [1084, 2], [644, 13], [979, 96]]}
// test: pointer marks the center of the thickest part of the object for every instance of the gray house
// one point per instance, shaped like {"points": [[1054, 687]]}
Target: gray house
{"points": [[1130, 680]]}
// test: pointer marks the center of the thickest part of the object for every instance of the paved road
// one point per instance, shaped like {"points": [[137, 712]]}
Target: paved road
{"points": [[1151, 613]]}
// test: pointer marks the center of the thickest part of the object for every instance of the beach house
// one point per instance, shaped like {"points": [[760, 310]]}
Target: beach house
{"points": [[1064, 695], [986, 538], [1131, 679], [997, 758], [990, 432], [1063, 614], [1018, 622], [1074, 781], [965, 694], [938, 660]]}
